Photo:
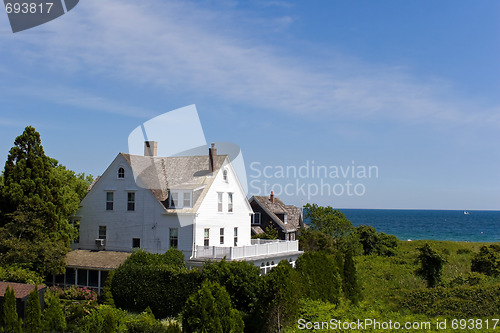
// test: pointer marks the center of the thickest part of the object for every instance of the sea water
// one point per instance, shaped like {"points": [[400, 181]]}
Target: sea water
{"points": [[452, 225]]}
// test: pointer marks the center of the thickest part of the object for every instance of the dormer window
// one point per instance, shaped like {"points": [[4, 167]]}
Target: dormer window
{"points": [[224, 175], [181, 199], [285, 218], [121, 173]]}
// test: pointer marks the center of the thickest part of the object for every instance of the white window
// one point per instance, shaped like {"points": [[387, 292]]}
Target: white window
{"points": [[256, 218], [219, 201], [102, 232], [131, 201], [109, 200], [174, 237], [224, 175], [121, 173], [285, 218], [187, 199], [236, 236], [230, 202], [174, 199], [206, 237], [222, 235]]}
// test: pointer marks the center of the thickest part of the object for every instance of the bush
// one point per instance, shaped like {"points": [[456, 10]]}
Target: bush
{"points": [[431, 265], [153, 280], [104, 319], [77, 293], [487, 261], [241, 279], [320, 276], [33, 321], [210, 310], [376, 243], [53, 316], [12, 323]]}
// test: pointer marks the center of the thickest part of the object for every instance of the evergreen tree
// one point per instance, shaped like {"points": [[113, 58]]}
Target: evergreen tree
{"points": [[12, 323], [37, 199], [210, 310], [53, 316], [33, 321], [319, 274], [279, 301], [352, 290]]}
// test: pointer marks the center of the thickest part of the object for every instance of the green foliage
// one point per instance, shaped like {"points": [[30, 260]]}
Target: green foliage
{"points": [[313, 240], [279, 301], [350, 283], [458, 302], [241, 279], [320, 276], [37, 199], [329, 221], [53, 316], [431, 265], [18, 274], [107, 295], [487, 261], [210, 310], [104, 319], [377, 243], [270, 233], [12, 323], [153, 280], [33, 322]]}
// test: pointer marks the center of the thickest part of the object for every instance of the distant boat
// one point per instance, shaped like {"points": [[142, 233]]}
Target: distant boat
{"points": [[466, 212]]}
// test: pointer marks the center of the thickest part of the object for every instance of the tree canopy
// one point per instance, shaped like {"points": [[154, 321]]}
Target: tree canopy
{"points": [[38, 196], [329, 221]]}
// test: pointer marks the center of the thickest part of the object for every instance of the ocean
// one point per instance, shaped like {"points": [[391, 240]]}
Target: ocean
{"points": [[451, 225]]}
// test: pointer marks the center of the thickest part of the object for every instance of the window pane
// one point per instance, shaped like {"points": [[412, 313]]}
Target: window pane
{"points": [[206, 240], [82, 277], [70, 276], [230, 202], [174, 237], [109, 200], [131, 201], [222, 235], [187, 199], [219, 200], [102, 232], [93, 278], [175, 199], [121, 173], [136, 242]]}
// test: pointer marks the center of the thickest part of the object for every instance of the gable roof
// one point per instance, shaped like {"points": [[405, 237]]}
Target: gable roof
{"points": [[21, 290], [160, 174], [294, 215]]}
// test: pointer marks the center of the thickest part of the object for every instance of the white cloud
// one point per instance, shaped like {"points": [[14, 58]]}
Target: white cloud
{"points": [[181, 47]]}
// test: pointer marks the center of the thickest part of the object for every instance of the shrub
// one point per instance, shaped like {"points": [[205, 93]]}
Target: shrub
{"points": [[153, 280], [104, 319], [376, 243], [350, 283], [12, 323], [320, 276], [77, 293], [33, 321], [241, 279], [431, 265], [487, 261], [53, 316]]}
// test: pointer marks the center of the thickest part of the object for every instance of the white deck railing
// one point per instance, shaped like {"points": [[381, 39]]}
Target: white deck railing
{"points": [[258, 248]]}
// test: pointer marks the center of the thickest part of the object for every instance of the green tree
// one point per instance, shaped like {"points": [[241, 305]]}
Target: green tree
{"points": [[313, 240], [320, 276], [377, 243], [37, 199], [329, 221], [210, 310], [241, 279], [270, 233], [431, 265], [487, 261], [350, 283], [33, 322], [279, 301], [107, 295], [12, 323], [53, 316]]}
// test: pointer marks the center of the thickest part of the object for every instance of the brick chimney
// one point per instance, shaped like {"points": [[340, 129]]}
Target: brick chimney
{"points": [[212, 155], [271, 197], [150, 148]]}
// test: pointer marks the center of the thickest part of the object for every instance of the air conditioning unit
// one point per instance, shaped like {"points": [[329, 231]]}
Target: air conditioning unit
{"points": [[100, 242]]}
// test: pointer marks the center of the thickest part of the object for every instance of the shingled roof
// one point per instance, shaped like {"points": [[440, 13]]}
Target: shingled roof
{"points": [[21, 290], [161, 174], [278, 207], [95, 259]]}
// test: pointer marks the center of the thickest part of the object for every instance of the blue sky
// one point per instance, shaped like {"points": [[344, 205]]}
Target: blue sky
{"points": [[410, 87]]}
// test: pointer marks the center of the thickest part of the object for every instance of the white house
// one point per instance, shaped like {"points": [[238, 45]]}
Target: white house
{"points": [[193, 203]]}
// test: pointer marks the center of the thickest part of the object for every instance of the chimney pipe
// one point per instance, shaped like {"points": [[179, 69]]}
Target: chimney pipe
{"points": [[272, 197], [150, 148], [212, 155]]}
